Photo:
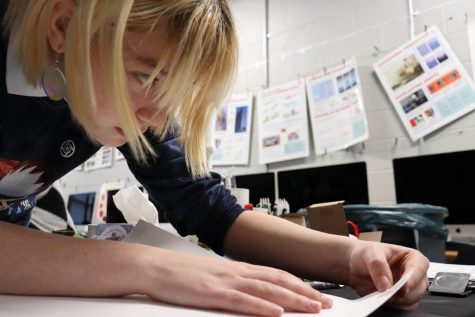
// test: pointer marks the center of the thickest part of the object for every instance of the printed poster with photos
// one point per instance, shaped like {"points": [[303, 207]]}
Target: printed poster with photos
{"points": [[282, 123], [101, 159], [336, 108], [232, 131], [426, 83]]}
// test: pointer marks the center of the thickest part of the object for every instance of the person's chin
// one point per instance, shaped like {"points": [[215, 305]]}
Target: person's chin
{"points": [[112, 141]]}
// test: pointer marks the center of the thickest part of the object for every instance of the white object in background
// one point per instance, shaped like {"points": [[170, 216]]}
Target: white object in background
{"points": [[146, 233], [42, 306], [261, 210], [241, 194], [471, 41], [435, 268], [135, 205], [99, 212]]}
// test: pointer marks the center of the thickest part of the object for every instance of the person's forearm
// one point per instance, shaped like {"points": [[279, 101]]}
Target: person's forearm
{"points": [[269, 240], [36, 263]]}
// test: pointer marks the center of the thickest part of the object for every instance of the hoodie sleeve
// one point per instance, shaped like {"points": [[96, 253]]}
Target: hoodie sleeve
{"points": [[193, 206]]}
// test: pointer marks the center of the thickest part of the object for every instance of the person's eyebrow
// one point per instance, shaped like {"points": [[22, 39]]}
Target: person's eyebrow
{"points": [[150, 63]]}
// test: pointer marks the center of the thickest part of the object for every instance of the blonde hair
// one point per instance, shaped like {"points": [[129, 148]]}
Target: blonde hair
{"points": [[201, 53]]}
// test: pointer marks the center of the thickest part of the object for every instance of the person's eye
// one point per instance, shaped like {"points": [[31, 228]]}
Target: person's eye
{"points": [[143, 78]]}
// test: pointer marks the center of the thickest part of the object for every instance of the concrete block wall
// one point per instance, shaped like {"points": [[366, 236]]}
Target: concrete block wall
{"points": [[307, 35]]}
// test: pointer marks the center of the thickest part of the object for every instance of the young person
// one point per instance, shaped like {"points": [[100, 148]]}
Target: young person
{"points": [[145, 76]]}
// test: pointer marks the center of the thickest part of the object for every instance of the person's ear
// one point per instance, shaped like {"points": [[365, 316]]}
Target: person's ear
{"points": [[58, 23]]}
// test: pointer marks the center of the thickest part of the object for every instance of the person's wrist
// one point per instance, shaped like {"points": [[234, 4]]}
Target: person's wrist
{"points": [[354, 248], [142, 269]]}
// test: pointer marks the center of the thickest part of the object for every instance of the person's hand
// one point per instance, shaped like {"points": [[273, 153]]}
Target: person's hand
{"points": [[216, 283], [376, 266]]}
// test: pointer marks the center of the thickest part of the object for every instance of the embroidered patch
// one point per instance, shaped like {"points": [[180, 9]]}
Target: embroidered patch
{"points": [[67, 148]]}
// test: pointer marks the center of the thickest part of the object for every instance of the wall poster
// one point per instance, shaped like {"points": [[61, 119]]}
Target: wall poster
{"points": [[232, 131], [427, 84], [336, 108], [282, 123]]}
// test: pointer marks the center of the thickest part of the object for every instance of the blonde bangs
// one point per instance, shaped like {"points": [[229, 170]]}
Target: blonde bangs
{"points": [[200, 57]]}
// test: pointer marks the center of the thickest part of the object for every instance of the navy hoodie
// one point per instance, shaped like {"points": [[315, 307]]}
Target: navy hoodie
{"points": [[40, 142]]}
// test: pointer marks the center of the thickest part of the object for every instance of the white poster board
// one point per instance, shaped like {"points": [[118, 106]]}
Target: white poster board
{"points": [[426, 83], [118, 155], [102, 159], [471, 41], [232, 131], [282, 123], [336, 108]]}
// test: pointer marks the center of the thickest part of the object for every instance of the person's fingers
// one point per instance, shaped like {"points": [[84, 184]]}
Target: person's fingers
{"points": [[378, 268], [417, 284], [418, 281], [290, 282], [283, 297], [410, 297], [239, 302]]}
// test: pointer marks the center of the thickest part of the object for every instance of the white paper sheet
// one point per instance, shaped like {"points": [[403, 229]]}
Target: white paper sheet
{"points": [[148, 234], [145, 233], [435, 268], [471, 41], [26, 306]]}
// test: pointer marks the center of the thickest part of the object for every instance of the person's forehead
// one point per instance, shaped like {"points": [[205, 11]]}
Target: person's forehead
{"points": [[147, 46]]}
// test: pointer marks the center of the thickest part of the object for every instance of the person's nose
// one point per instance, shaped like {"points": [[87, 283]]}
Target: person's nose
{"points": [[148, 116]]}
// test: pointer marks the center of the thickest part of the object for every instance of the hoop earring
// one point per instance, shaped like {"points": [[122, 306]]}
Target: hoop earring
{"points": [[53, 81]]}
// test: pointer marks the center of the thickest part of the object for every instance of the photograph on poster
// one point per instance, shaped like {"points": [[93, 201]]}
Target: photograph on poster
{"points": [[422, 118], [444, 81], [441, 56], [431, 62], [323, 90], [423, 49], [404, 71], [221, 119], [293, 136], [241, 119], [434, 43], [346, 81], [413, 101], [271, 141]]}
